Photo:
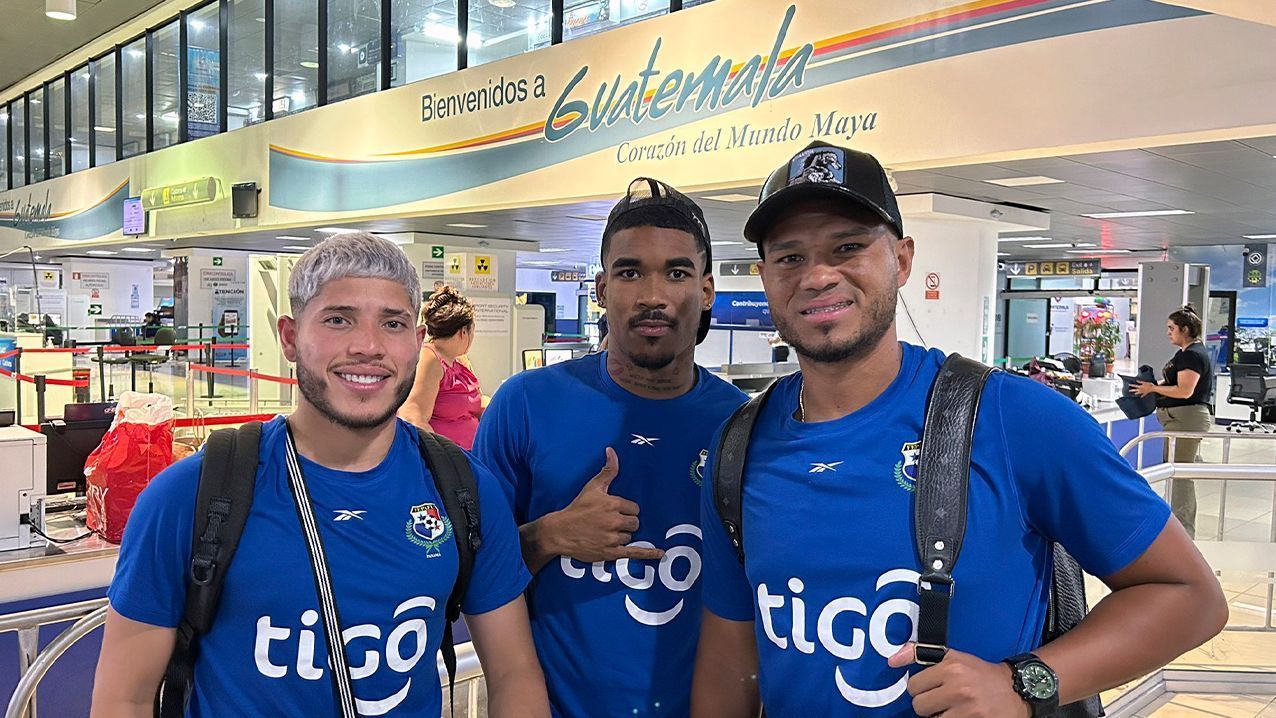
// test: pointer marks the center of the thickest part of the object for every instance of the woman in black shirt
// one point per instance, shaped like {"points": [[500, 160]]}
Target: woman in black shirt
{"points": [[1183, 403]]}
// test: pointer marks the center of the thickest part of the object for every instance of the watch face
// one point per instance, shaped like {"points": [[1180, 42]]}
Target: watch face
{"points": [[1038, 681]]}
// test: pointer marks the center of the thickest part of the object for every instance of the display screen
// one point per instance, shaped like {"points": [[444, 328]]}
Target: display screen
{"points": [[554, 356], [134, 217]]}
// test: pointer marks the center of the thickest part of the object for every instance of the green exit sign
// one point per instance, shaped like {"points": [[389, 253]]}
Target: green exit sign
{"points": [[217, 261], [436, 252]]}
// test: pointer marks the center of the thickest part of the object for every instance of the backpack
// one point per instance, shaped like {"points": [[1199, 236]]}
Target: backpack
{"points": [[943, 476], [227, 477]]}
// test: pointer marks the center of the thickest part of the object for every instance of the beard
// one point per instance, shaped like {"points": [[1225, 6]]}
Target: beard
{"points": [[315, 390], [648, 359], [879, 316]]}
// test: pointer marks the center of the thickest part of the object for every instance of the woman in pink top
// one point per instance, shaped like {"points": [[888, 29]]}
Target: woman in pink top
{"points": [[445, 397]]}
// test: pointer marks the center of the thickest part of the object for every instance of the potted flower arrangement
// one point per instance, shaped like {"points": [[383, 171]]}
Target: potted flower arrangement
{"points": [[1096, 332]]}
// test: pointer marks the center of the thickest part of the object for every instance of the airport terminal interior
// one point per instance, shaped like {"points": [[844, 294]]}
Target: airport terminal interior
{"points": [[1072, 171]]}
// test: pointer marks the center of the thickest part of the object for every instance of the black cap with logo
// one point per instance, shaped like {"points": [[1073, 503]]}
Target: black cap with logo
{"points": [[824, 171], [647, 192]]}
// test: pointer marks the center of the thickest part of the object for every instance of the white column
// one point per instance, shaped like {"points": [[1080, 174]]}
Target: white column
{"points": [[956, 242]]}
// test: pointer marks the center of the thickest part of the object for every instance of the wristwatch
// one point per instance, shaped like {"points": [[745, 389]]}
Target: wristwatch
{"points": [[1035, 682]]}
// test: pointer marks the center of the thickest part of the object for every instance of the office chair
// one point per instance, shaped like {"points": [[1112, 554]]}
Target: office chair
{"points": [[1253, 388]]}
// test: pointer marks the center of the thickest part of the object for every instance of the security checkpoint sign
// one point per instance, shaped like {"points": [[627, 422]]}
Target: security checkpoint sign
{"points": [[932, 285]]}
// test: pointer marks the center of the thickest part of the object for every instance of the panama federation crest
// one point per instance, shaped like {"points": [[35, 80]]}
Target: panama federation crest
{"points": [[906, 467], [428, 528], [697, 467]]}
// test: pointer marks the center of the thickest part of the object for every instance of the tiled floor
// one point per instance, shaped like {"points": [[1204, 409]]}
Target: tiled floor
{"points": [[1246, 516]]}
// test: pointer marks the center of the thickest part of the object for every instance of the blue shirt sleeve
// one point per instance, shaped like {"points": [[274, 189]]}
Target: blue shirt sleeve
{"points": [[499, 573], [1074, 487], [151, 573], [502, 443], [726, 590]]}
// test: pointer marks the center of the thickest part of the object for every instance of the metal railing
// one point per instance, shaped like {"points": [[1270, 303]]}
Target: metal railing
{"points": [[34, 664]]}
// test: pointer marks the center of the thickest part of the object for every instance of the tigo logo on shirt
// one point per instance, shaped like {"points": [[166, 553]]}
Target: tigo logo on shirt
{"points": [[599, 571], [428, 528], [411, 632], [854, 651]]}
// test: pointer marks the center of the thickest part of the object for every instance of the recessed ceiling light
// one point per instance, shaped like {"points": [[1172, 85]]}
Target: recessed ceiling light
{"points": [[1024, 239], [554, 250], [1024, 181], [101, 252], [1100, 251], [297, 248], [541, 263], [723, 243], [288, 237], [466, 225], [589, 217], [103, 129], [1144, 213], [309, 64], [260, 19], [138, 250], [1052, 245], [1003, 254], [333, 230], [732, 197], [1260, 236], [59, 9], [1084, 244]]}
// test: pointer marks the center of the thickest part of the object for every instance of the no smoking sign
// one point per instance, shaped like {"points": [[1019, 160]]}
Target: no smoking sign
{"points": [[932, 285]]}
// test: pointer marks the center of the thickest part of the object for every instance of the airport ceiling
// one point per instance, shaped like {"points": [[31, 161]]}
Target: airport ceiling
{"points": [[1226, 190], [30, 40]]}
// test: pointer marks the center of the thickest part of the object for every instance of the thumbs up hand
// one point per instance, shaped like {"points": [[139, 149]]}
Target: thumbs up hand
{"points": [[596, 526]]}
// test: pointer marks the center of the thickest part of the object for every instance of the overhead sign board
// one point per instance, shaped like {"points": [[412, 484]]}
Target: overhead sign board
{"points": [[194, 191], [1058, 268]]}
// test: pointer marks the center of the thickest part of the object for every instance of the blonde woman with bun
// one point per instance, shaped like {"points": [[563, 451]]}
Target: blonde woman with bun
{"points": [[445, 397]]}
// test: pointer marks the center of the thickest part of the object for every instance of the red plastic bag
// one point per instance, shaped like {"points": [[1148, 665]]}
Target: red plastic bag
{"points": [[138, 446]]}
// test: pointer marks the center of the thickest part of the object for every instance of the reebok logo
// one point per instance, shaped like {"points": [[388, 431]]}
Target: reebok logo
{"points": [[347, 514], [641, 440], [819, 467]]}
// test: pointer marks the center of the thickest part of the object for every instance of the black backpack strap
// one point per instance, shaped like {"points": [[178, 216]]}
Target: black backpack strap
{"points": [[728, 467], [227, 476], [454, 479], [943, 476]]}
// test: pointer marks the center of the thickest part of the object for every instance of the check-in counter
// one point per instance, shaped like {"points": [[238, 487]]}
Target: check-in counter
{"points": [[753, 378]]}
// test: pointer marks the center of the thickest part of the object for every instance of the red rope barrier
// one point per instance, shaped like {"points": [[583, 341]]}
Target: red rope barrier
{"points": [[242, 372], [78, 383]]}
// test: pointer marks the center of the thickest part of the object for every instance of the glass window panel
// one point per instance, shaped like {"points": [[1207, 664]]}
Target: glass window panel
{"points": [[35, 134], [104, 110], [296, 56], [18, 169], [423, 39], [246, 79], [133, 75], [56, 110], [165, 73], [500, 32], [203, 71], [4, 147], [354, 47], [80, 136], [589, 17]]}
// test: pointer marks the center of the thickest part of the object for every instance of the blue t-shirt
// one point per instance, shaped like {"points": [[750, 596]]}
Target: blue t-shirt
{"points": [[393, 562], [615, 638], [830, 575]]}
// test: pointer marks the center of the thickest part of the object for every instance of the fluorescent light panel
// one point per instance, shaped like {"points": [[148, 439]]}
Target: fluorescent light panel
{"points": [[1024, 239], [1144, 213], [138, 250], [1050, 245], [1260, 236], [732, 197], [467, 225], [554, 250], [1024, 181], [724, 243], [101, 252], [296, 247]]}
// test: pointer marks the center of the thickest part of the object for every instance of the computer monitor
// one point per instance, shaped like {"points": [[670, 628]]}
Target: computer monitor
{"points": [[554, 356], [1244, 357], [533, 358], [69, 446]]}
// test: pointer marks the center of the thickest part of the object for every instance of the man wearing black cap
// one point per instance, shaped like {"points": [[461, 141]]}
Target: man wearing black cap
{"points": [[816, 614], [615, 602]]}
